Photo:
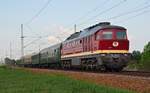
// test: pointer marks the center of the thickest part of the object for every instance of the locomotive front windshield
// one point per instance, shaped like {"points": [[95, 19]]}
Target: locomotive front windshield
{"points": [[120, 35], [107, 35]]}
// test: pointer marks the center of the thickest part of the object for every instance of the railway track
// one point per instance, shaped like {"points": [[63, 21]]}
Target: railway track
{"points": [[127, 73], [124, 72], [135, 73]]}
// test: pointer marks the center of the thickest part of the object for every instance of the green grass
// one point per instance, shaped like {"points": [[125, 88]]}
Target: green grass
{"points": [[22, 81]]}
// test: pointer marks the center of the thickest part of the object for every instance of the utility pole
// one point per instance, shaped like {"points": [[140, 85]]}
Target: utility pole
{"points": [[10, 51], [22, 44], [6, 53], [1, 61], [75, 27], [39, 54]]}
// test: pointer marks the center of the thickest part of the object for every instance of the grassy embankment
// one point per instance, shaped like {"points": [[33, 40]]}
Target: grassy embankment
{"points": [[22, 81]]}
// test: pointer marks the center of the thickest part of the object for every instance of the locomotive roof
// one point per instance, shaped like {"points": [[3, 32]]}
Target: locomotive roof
{"points": [[91, 30]]}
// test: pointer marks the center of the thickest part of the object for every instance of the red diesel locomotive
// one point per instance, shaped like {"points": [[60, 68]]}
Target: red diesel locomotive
{"points": [[102, 46]]}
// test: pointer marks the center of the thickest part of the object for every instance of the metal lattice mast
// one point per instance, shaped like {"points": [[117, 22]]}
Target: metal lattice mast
{"points": [[22, 44]]}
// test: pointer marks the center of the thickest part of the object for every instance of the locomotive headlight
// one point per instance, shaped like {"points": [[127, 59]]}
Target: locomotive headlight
{"points": [[103, 54], [115, 44], [125, 54]]}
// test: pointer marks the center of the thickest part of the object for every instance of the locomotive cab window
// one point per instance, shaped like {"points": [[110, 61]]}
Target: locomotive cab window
{"points": [[107, 35], [120, 35]]}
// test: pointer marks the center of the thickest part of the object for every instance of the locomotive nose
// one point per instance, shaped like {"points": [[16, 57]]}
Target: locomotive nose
{"points": [[115, 57]]}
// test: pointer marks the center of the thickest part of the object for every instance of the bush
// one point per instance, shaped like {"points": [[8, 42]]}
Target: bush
{"points": [[146, 57]]}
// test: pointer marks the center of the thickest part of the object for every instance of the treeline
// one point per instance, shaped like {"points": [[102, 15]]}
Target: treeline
{"points": [[12, 62], [9, 61], [141, 60]]}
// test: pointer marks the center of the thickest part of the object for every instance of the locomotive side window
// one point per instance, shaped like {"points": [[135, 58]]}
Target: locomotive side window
{"points": [[121, 35], [107, 35], [97, 36], [80, 41]]}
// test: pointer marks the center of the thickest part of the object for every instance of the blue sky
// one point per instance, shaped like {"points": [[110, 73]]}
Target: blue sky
{"points": [[56, 21]]}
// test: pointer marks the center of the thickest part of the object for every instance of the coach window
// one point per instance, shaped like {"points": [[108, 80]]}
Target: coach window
{"points": [[107, 35], [97, 36], [121, 35]]}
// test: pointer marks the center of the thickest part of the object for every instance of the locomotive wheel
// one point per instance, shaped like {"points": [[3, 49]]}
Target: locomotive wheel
{"points": [[101, 68], [66, 64], [84, 65], [89, 64], [87, 67], [118, 69], [62, 65]]}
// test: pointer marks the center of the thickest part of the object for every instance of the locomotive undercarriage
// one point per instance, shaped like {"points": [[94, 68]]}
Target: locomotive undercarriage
{"points": [[66, 64], [115, 62], [91, 64], [98, 62]]}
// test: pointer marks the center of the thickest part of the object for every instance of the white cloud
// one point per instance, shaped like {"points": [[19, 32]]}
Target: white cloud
{"points": [[56, 32], [54, 25], [55, 29], [131, 37], [46, 29], [53, 38], [64, 30]]}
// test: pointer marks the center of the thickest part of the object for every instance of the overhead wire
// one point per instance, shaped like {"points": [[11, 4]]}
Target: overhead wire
{"points": [[69, 26], [32, 42], [105, 11], [129, 12], [87, 13], [33, 18], [136, 9], [39, 12], [139, 14], [116, 5], [30, 29]]}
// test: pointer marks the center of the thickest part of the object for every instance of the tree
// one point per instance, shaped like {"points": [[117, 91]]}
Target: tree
{"points": [[136, 55], [10, 62], [146, 57], [146, 53]]}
